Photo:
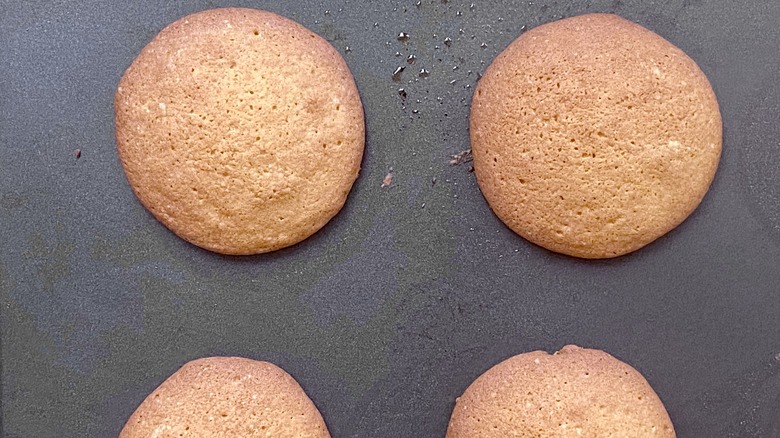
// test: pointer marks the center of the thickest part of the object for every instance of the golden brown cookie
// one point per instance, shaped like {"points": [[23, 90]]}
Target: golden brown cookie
{"points": [[593, 136], [575, 392], [227, 397], [240, 130]]}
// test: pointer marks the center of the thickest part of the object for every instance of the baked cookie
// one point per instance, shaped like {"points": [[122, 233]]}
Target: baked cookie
{"points": [[593, 136], [227, 397], [575, 392], [240, 130]]}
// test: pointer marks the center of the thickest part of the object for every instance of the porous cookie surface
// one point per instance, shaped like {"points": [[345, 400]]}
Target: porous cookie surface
{"points": [[593, 136], [240, 130], [227, 397], [575, 392]]}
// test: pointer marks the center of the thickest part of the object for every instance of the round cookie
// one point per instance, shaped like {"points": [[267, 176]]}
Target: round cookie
{"points": [[240, 130], [575, 392], [593, 136], [227, 397]]}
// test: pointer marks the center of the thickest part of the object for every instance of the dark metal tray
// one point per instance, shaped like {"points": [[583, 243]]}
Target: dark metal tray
{"points": [[388, 313]]}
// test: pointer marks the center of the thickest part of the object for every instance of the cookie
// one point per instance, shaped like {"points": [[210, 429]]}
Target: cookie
{"points": [[240, 130], [593, 136], [575, 392], [227, 397]]}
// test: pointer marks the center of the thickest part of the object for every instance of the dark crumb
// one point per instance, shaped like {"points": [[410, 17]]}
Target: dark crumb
{"points": [[461, 158], [77, 153], [397, 73], [471, 168]]}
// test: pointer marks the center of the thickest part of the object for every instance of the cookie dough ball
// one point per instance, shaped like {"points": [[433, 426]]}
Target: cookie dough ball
{"points": [[240, 130], [575, 392], [227, 397], [593, 136]]}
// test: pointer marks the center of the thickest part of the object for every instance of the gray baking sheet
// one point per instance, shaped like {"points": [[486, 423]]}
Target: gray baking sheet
{"points": [[413, 290]]}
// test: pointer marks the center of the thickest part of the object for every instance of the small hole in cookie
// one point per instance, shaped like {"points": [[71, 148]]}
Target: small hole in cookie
{"points": [[256, 32]]}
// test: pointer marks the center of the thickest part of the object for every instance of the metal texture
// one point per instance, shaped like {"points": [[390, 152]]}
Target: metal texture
{"points": [[413, 290]]}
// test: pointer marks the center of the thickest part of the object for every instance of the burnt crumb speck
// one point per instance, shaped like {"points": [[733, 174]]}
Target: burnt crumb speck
{"points": [[77, 153], [397, 73], [461, 158], [402, 93]]}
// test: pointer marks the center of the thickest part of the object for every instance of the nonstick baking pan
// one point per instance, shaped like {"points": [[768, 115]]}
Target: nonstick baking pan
{"points": [[388, 313]]}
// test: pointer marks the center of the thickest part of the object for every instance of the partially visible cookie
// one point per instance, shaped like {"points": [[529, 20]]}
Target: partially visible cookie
{"points": [[575, 392], [593, 136], [227, 397], [240, 130]]}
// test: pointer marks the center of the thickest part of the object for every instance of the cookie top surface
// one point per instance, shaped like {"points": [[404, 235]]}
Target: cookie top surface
{"points": [[240, 130], [593, 136], [227, 397], [575, 392]]}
